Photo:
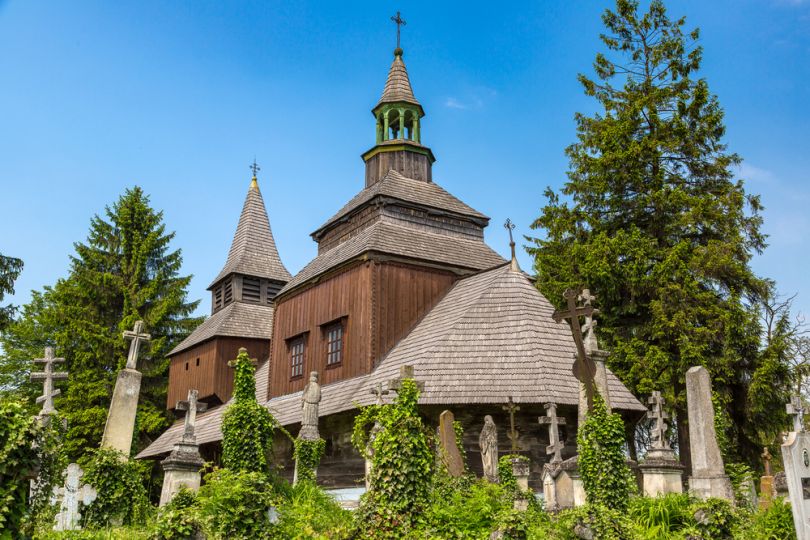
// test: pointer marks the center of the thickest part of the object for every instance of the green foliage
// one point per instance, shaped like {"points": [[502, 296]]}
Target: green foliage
{"points": [[662, 517], [505, 474], [10, 269], [606, 478], [234, 504], [307, 456], [121, 495], [117, 533], [742, 483], [714, 519], [402, 465], [178, 519], [603, 523], [123, 272], [52, 462], [772, 523], [247, 427], [308, 512], [653, 221], [18, 462]]}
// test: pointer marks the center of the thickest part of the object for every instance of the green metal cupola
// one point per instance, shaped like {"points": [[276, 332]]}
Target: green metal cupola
{"points": [[398, 130]]}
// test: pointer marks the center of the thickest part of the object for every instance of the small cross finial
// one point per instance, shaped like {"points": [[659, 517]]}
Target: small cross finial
{"points": [[255, 167], [399, 22]]}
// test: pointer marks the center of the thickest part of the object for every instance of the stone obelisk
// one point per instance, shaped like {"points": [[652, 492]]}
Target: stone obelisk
{"points": [[120, 424]]}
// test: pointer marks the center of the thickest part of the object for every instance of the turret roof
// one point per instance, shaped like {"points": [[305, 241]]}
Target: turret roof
{"points": [[398, 85]]}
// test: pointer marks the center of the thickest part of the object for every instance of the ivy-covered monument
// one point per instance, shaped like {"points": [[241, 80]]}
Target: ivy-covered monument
{"points": [[402, 277]]}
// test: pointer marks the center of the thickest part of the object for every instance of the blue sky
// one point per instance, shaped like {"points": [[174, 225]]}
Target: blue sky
{"points": [[178, 97]]}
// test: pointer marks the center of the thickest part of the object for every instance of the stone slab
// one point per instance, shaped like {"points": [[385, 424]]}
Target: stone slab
{"points": [[448, 448], [120, 426], [796, 457]]}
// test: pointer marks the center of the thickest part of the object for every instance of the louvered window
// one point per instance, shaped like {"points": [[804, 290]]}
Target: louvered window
{"points": [[251, 290], [227, 293], [334, 343], [296, 348], [217, 297]]}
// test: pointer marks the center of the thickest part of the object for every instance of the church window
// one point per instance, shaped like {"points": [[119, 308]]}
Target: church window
{"points": [[251, 290], [334, 343], [296, 348], [218, 297], [228, 292]]}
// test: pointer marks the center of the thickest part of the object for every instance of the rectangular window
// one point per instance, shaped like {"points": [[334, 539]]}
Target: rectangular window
{"points": [[251, 290], [296, 348], [334, 343]]}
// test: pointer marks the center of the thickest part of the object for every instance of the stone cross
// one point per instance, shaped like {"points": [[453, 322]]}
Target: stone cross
{"points": [[659, 430], [253, 361], [555, 447], [512, 434], [766, 458], [584, 368], [135, 336], [379, 393], [192, 407], [405, 372], [589, 329], [48, 376], [73, 493], [796, 409]]}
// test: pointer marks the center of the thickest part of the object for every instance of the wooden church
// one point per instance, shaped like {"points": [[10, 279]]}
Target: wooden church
{"points": [[402, 277]]}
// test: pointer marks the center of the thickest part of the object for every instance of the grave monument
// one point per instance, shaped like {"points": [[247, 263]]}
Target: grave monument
{"points": [[182, 467]]}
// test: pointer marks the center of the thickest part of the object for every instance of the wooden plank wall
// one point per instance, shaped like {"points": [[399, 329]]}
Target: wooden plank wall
{"points": [[227, 349]]}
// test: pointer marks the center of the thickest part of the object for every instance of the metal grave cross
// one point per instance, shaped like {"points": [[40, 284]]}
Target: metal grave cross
{"points": [[399, 22], [192, 407], [135, 336], [796, 409], [379, 393], [766, 458], [513, 434], [405, 372], [554, 422], [584, 368], [659, 430], [48, 376]]}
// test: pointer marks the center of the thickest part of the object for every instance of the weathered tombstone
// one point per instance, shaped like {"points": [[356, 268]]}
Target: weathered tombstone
{"points": [[120, 424], [562, 485], [48, 376], [72, 494], [796, 457], [310, 402], [448, 449], [766, 487], [182, 467], [520, 470], [708, 477], [488, 443], [661, 471]]}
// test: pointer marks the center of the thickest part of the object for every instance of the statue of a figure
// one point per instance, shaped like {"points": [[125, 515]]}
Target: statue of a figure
{"points": [[488, 441], [309, 405]]}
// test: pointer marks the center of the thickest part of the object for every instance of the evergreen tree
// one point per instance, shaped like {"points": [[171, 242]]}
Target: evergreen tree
{"points": [[10, 269], [125, 271], [654, 222]]}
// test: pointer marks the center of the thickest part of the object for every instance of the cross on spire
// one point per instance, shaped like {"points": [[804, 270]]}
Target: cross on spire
{"points": [[584, 367], [192, 407], [513, 434], [379, 393], [135, 336], [48, 376], [405, 372], [399, 21], [659, 429], [796, 409], [255, 167], [554, 422], [509, 226]]}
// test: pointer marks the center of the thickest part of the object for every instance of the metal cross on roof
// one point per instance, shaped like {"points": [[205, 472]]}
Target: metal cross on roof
{"points": [[379, 393], [584, 368], [796, 409], [48, 376], [767, 457], [509, 226], [255, 168], [513, 434], [554, 422], [659, 429], [135, 336], [192, 407], [399, 21], [405, 372]]}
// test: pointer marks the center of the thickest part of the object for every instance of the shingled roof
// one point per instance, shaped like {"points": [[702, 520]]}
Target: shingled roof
{"points": [[396, 186], [253, 250], [237, 319], [391, 237], [398, 85]]}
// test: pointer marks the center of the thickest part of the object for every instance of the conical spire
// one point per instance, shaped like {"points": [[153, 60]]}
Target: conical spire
{"points": [[398, 85], [253, 250]]}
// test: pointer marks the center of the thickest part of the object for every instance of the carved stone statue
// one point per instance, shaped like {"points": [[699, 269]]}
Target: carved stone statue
{"points": [[488, 441], [309, 405]]}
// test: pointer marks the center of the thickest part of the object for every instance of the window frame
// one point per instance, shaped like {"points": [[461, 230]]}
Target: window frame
{"points": [[327, 329], [292, 342]]}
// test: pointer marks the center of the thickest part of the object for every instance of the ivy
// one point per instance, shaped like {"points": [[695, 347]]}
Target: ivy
{"points": [[121, 495], [52, 462], [234, 504], [605, 476], [247, 427], [308, 454], [18, 461], [178, 519]]}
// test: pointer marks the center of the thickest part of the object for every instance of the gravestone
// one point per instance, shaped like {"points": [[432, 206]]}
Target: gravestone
{"points": [[182, 467], [120, 424], [554, 422], [48, 376], [796, 456], [310, 402], [661, 471], [766, 488], [72, 495], [488, 443], [448, 449], [708, 477], [520, 470]]}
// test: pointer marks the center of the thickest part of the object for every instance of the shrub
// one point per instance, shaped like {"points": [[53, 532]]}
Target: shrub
{"points": [[308, 512], [307, 455], [18, 461], [121, 495], [661, 517], [464, 508], [714, 519], [178, 519], [235, 504], [773, 523], [592, 521]]}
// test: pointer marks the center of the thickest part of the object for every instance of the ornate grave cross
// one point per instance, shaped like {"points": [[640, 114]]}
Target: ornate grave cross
{"points": [[796, 410], [589, 329], [766, 458], [405, 372], [584, 368], [513, 434], [659, 430], [253, 362], [255, 167], [399, 22], [48, 376], [192, 407], [135, 336], [554, 422], [379, 393]]}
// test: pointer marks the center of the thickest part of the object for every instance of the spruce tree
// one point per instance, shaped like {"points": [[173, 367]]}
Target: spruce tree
{"points": [[653, 220], [125, 271], [10, 268]]}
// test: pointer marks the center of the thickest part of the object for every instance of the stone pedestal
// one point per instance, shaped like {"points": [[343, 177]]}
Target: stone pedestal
{"points": [[766, 491], [520, 469], [796, 457], [120, 424], [181, 469], [661, 473]]}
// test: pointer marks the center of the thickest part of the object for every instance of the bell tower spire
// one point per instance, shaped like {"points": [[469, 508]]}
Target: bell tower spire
{"points": [[398, 127]]}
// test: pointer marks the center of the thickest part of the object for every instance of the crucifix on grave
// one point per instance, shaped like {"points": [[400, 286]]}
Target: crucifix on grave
{"points": [[135, 336], [554, 422], [584, 367], [191, 406], [48, 376], [405, 372], [766, 459], [796, 409], [512, 434], [659, 417], [378, 392]]}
